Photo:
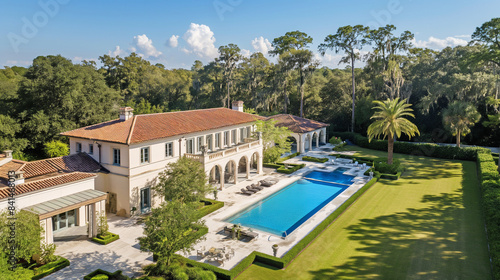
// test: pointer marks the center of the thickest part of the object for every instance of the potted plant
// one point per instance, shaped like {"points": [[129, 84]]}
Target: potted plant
{"points": [[233, 231], [275, 249], [133, 210]]}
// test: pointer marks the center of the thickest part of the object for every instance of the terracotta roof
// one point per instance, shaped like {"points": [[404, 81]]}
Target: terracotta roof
{"points": [[11, 165], [46, 183], [142, 128], [297, 124], [78, 162]]}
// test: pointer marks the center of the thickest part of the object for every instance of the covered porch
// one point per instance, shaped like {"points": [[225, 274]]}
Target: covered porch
{"points": [[66, 217]]}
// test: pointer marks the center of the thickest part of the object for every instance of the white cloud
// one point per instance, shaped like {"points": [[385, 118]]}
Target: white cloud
{"points": [[246, 53], [328, 60], [117, 51], [200, 40], [173, 41], [144, 46], [462, 36], [261, 45], [18, 62], [436, 43]]}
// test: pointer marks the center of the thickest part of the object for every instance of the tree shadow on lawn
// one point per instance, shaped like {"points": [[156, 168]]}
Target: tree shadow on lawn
{"points": [[432, 242]]}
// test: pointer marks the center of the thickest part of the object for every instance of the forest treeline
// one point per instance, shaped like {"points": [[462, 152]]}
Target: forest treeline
{"points": [[54, 94]]}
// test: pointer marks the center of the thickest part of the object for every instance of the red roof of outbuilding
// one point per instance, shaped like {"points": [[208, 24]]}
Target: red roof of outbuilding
{"points": [[297, 124]]}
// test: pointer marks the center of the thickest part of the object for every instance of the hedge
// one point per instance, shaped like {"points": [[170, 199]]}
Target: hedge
{"points": [[367, 160], [429, 150], [50, 268], [117, 275], [291, 254], [314, 159], [294, 167], [339, 147], [490, 186], [108, 239], [288, 157], [210, 206]]}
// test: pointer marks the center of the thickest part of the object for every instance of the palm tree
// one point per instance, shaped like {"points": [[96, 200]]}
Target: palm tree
{"points": [[459, 117], [390, 122]]}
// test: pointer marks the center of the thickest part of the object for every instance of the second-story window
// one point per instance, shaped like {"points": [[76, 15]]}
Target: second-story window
{"points": [[217, 140], [91, 149], [78, 147], [169, 149], [233, 136], [242, 134], [200, 143], [209, 142], [116, 156], [226, 138], [144, 155], [189, 146]]}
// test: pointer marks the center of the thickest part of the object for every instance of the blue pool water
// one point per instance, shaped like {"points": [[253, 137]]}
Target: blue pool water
{"points": [[282, 212], [335, 176]]}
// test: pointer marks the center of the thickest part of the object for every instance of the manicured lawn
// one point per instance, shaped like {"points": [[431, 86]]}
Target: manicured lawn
{"points": [[427, 225]]}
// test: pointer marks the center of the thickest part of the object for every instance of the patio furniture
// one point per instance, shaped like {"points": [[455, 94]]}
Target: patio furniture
{"points": [[265, 183], [246, 192], [257, 187], [200, 254], [249, 188], [249, 234], [220, 260]]}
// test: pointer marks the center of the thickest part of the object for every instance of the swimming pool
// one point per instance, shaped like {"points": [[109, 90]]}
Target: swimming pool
{"points": [[284, 211]]}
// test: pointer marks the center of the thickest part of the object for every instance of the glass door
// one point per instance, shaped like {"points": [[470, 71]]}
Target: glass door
{"points": [[145, 200], [64, 220]]}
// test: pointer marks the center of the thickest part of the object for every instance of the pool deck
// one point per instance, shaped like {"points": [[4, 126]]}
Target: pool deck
{"points": [[235, 202]]}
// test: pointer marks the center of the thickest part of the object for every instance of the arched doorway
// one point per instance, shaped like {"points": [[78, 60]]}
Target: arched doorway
{"points": [[294, 143], [307, 142], [243, 168], [215, 177], [230, 173], [322, 137], [254, 164], [315, 140]]}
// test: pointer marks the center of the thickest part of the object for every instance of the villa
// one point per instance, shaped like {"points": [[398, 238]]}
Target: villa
{"points": [[136, 148]]}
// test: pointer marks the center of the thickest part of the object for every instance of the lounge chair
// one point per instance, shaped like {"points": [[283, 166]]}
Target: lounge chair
{"points": [[265, 183], [250, 188], [257, 187], [246, 192]]}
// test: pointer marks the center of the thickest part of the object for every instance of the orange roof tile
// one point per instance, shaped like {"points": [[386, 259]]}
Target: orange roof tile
{"points": [[46, 183], [142, 128], [297, 124], [11, 165], [77, 162]]}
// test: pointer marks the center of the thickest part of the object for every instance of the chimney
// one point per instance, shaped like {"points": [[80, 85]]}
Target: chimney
{"points": [[126, 113], [238, 106], [19, 177], [7, 153]]}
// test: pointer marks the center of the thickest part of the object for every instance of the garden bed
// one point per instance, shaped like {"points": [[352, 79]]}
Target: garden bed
{"points": [[49, 268], [314, 159]]}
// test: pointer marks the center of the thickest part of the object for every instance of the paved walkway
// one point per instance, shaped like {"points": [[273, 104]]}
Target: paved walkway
{"points": [[123, 254]]}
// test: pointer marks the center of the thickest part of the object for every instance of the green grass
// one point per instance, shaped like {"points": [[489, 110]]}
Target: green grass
{"points": [[426, 225]]}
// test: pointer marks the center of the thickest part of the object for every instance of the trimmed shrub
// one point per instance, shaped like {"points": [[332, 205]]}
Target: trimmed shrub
{"points": [[50, 268], [272, 165], [100, 277], [106, 239], [117, 275], [335, 140], [382, 166], [288, 157], [314, 159], [291, 168], [210, 206]]}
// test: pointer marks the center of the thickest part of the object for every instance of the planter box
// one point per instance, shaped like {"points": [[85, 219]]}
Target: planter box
{"points": [[50, 268]]}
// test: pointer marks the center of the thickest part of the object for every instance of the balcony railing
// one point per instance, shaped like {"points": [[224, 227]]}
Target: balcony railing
{"points": [[209, 156]]}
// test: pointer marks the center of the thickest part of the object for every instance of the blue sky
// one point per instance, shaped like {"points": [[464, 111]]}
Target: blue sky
{"points": [[88, 29]]}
